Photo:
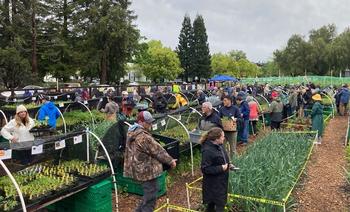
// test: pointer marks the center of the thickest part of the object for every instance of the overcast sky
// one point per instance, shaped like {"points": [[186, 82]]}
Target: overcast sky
{"points": [[258, 27]]}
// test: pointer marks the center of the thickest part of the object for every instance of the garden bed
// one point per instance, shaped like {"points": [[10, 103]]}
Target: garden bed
{"points": [[269, 170]]}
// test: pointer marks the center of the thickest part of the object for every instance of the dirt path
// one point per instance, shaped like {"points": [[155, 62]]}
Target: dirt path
{"points": [[323, 186]]}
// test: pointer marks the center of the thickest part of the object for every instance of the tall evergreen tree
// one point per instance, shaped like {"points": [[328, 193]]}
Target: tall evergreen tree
{"points": [[185, 47], [201, 54]]}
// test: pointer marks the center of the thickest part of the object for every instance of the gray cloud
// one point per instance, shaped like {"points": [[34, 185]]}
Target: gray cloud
{"points": [[258, 27]]}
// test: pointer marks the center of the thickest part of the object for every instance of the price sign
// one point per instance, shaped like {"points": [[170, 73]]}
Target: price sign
{"points": [[33, 98], [78, 139], [61, 104], [36, 150], [15, 100], [162, 122], [101, 100], [154, 126], [85, 102], [60, 144], [68, 96], [55, 97], [5, 154]]}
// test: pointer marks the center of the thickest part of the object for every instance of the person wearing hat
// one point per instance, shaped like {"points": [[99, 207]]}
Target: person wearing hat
{"points": [[317, 116], [48, 110], [143, 159], [127, 103], [275, 109], [111, 109], [17, 130]]}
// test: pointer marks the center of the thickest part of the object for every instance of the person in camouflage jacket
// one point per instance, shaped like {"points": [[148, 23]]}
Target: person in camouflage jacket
{"points": [[143, 160]]}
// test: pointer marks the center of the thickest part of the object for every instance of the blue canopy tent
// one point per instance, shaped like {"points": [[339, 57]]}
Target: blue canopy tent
{"points": [[222, 78]]}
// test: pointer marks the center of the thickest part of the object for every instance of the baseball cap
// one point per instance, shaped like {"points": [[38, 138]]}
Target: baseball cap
{"points": [[145, 116]]}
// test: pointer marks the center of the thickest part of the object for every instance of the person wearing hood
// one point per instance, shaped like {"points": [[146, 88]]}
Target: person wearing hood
{"points": [[275, 109], [48, 109], [143, 160], [215, 166], [317, 116]]}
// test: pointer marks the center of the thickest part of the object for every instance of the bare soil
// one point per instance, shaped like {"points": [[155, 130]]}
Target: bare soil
{"points": [[324, 186]]}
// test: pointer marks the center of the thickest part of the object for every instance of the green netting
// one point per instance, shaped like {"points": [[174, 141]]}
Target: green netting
{"points": [[320, 80]]}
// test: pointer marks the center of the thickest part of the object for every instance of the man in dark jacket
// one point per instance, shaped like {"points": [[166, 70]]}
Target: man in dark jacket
{"points": [[230, 111], [244, 109], [49, 110], [210, 118], [143, 160]]}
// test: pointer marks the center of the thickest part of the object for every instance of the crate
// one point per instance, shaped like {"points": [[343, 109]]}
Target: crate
{"points": [[229, 125], [171, 145], [195, 136], [129, 185], [97, 198], [96, 194]]}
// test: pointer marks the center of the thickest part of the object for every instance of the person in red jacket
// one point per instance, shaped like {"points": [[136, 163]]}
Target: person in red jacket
{"points": [[253, 114]]}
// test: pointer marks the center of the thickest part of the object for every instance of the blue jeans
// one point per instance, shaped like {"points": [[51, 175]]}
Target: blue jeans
{"points": [[245, 131]]}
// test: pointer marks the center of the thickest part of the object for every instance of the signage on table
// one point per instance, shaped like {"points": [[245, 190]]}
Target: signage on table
{"points": [[162, 122], [55, 97], [5, 154], [60, 144], [78, 139], [154, 126], [36, 150]]}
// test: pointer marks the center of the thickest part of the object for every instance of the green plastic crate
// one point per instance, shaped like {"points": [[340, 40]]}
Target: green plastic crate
{"points": [[96, 198], [96, 194], [131, 186], [105, 207]]}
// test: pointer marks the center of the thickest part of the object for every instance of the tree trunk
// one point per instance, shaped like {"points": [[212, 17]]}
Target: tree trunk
{"points": [[34, 41], [65, 19], [103, 77]]}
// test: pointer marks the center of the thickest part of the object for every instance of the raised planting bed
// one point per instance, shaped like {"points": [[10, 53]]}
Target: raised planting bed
{"points": [[45, 181], [269, 171]]}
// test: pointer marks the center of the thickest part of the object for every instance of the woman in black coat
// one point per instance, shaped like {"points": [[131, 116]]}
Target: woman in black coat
{"points": [[215, 168]]}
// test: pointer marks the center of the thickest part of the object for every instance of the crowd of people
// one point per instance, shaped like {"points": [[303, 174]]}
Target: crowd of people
{"points": [[238, 105], [227, 114]]}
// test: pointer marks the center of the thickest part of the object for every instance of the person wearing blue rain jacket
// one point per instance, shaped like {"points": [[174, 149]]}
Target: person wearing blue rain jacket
{"points": [[48, 109]]}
